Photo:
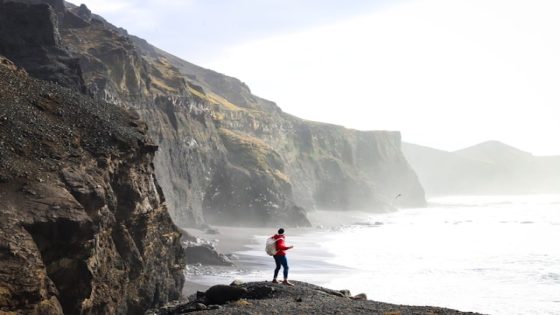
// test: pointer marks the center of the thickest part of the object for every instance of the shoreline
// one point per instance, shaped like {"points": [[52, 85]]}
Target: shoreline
{"points": [[402, 258], [232, 241], [240, 242]]}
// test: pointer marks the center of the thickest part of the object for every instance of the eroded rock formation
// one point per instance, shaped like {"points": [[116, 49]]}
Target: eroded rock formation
{"points": [[30, 38], [84, 227]]}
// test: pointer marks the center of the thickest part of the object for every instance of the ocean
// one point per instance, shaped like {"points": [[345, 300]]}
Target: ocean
{"points": [[488, 254]]}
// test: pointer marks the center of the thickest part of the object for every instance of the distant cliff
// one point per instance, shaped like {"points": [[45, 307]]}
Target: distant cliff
{"points": [[227, 156], [84, 228], [486, 168]]}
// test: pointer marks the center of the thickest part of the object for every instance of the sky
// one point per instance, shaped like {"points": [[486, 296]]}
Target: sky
{"points": [[447, 74]]}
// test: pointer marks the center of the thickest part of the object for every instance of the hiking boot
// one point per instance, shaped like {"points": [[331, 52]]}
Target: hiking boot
{"points": [[274, 281], [286, 282]]}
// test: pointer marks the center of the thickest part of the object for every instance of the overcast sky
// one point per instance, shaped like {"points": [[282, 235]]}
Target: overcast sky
{"points": [[446, 73]]}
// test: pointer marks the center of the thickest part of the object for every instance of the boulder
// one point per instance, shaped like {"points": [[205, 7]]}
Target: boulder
{"points": [[206, 255], [260, 292], [236, 282], [346, 293], [361, 296], [221, 294], [200, 307]]}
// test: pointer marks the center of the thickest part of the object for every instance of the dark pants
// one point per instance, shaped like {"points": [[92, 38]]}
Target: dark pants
{"points": [[281, 260]]}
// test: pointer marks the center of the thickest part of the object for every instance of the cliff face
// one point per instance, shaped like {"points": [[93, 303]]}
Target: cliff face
{"points": [[331, 167], [203, 172], [326, 166], [30, 38], [226, 155], [84, 227]]}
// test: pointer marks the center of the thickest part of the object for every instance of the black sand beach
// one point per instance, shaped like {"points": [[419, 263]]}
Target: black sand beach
{"points": [[233, 240]]}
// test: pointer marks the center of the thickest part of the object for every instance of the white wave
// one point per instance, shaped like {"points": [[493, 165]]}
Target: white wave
{"points": [[490, 254]]}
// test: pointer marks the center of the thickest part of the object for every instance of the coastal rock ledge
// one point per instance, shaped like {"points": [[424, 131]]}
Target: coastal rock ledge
{"points": [[302, 298]]}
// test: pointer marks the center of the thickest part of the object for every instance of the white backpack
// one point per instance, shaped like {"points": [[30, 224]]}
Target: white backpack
{"points": [[270, 247]]}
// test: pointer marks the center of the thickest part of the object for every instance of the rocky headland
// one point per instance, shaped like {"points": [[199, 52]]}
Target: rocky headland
{"points": [[84, 227], [226, 156], [303, 298]]}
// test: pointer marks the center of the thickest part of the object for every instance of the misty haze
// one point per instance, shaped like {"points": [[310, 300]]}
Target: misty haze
{"points": [[279, 157], [484, 169]]}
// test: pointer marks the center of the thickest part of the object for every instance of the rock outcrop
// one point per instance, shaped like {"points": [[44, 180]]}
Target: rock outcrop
{"points": [[303, 298], [228, 156], [84, 226], [205, 254], [29, 36]]}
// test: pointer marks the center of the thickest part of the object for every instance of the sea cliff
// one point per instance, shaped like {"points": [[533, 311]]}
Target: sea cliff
{"points": [[226, 155], [84, 225]]}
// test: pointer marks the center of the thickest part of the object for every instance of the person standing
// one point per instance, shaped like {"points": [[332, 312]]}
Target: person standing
{"points": [[280, 257]]}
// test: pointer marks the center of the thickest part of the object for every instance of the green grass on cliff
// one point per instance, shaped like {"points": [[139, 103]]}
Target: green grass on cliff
{"points": [[252, 154], [215, 99]]}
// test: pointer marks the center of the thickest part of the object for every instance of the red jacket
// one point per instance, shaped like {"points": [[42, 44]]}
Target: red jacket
{"points": [[280, 245]]}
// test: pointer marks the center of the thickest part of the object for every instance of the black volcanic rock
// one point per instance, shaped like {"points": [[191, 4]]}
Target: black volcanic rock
{"points": [[84, 226], [220, 294], [83, 12], [29, 36], [206, 255], [302, 298]]}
